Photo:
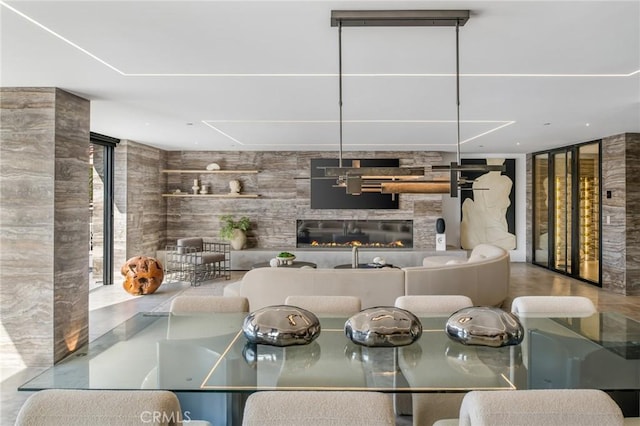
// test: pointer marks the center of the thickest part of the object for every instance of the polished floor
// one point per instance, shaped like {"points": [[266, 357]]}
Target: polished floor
{"points": [[111, 305]]}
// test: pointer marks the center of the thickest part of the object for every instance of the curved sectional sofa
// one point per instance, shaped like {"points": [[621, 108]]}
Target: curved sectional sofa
{"points": [[484, 277]]}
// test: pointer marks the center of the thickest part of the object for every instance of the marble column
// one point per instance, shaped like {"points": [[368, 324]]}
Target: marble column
{"points": [[44, 226], [620, 236]]}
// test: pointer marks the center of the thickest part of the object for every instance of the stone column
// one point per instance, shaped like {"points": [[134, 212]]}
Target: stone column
{"points": [[44, 226], [620, 236]]}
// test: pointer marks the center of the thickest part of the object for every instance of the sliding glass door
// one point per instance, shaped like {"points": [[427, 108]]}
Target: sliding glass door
{"points": [[566, 211], [101, 155]]}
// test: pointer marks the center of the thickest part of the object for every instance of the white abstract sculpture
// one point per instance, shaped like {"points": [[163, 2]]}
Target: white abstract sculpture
{"points": [[484, 218]]}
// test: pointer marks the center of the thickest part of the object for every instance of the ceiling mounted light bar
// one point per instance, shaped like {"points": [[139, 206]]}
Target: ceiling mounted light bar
{"points": [[398, 18]]}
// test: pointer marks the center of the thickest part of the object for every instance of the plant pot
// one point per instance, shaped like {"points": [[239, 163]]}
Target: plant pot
{"points": [[238, 240]]}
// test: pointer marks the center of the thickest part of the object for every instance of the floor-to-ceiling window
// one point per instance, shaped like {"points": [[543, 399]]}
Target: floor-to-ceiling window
{"points": [[566, 210], [101, 155]]}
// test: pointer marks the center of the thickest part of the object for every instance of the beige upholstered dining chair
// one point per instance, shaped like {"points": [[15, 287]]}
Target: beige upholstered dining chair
{"points": [[433, 304], [205, 304], [544, 305], [330, 305], [102, 407], [427, 408], [318, 408], [549, 407]]}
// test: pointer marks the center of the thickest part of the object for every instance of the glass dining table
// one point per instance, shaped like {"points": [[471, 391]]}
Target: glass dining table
{"points": [[206, 360]]}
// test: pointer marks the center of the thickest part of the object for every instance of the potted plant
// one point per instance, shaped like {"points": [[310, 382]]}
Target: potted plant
{"points": [[235, 230]]}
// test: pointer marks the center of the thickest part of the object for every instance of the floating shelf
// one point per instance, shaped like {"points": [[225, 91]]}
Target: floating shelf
{"points": [[185, 195], [212, 171]]}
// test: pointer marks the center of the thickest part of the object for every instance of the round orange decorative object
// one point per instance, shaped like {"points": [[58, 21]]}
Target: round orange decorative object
{"points": [[142, 275]]}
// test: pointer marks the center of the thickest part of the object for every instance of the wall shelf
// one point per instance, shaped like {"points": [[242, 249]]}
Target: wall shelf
{"points": [[202, 172], [211, 171], [186, 195]]}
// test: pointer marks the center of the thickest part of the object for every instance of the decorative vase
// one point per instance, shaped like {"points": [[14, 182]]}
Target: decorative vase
{"points": [[238, 239], [235, 187]]}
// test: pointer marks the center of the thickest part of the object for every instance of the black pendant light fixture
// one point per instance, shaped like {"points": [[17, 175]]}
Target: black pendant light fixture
{"points": [[396, 180]]}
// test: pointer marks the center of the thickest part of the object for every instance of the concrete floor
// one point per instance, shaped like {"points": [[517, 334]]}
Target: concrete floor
{"points": [[111, 305]]}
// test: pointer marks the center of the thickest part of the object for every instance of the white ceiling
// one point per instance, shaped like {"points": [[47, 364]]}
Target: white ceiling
{"points": [[262, 75]]}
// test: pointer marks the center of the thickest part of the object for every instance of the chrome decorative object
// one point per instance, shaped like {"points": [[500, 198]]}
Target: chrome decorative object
{"points": [[485, 326], [281, 325], [383, 326], [295, 357]]}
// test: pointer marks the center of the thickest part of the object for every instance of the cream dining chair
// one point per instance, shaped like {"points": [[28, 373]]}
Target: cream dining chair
{"points": [[73, 407], [330, 305], [548, 407], [208, 304], [427, 408], [318, 408], [577, 306]]}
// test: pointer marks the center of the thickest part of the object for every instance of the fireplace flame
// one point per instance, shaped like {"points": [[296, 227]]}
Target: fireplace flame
{"points": [[356, 243]]}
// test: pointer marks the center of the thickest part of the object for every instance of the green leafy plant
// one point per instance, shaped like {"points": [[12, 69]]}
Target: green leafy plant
{"points": [[229, 224]]}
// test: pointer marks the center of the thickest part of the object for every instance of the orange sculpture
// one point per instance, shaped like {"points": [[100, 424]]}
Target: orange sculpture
{"points": [[143, 275]]}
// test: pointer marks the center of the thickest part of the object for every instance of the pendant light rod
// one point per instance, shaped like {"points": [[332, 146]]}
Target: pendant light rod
{"points": [[457, 92], [340, 87]]}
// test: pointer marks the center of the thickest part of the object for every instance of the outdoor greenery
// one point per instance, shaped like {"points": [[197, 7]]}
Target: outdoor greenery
{"points": [[229, 224]]}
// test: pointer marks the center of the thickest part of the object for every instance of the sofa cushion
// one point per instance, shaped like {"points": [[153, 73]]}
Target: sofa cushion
{"points": [[442, 260], [194, 243], [485, 280]]}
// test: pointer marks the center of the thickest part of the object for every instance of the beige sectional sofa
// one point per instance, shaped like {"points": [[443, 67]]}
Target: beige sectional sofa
{"points": [[271, 286], [484, 277]]}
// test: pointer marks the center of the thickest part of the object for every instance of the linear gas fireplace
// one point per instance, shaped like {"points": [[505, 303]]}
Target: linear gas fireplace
{"points": [[383, 233]]}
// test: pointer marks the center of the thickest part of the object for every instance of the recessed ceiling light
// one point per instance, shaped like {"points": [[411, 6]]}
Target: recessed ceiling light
{"points": [[518, 143], [587, 124], [147, 124]]}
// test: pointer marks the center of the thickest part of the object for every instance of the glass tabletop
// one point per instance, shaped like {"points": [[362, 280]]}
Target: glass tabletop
{"points": [[209, 353]]}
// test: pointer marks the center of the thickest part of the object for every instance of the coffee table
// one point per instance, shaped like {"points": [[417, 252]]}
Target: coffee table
{"points": [[364, 266], [294, 264]]}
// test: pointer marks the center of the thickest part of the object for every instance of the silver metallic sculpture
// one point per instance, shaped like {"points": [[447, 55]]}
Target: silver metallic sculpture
{"points": [[383, 326], [297, 357], [485, 326], [281, 325]]}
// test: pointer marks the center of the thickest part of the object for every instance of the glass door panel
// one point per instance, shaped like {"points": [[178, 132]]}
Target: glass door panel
{"points": [[562, 213], [541, 210], [589, 212], [96, 222]]}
